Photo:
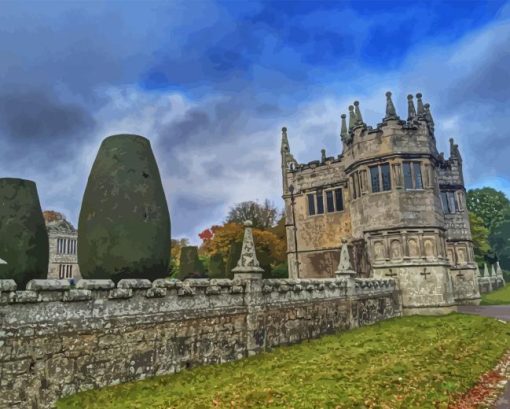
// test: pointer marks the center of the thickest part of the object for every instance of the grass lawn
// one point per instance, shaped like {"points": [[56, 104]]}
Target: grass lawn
{"points": [[501, 296], [410, 362]]}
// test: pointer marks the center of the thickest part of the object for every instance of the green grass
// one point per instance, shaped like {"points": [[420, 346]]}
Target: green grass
{"points": [[501, 296], [410, 362]]}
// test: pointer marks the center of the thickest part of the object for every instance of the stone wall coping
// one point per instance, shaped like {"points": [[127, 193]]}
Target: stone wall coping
{"points": [[88, 284], [135, 283], [52, 290], [8, 285], [48, 285]]}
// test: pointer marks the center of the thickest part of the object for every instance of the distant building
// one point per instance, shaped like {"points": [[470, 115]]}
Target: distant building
{"points": [[63, 239]]}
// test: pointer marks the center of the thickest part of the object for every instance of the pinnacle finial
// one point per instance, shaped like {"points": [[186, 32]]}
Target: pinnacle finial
{"points": [[485, 270], [419, 103], [352, 117], [391, 112], [499, 272], [344, 265], [493, 271], [359, 119], [248, 263], [323, 155], [285, 142], [411, 112], [343, 130]]}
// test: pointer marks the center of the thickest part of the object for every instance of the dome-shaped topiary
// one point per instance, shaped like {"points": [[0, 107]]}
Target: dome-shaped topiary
{"points": [[23, 236], [124, 224]]}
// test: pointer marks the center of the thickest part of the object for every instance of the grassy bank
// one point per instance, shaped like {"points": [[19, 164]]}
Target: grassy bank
{"points": [[501, 296], [410, 362]]}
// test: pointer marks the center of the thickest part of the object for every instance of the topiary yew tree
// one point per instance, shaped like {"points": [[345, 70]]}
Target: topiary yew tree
{"points": [[23, 236], [189, 263], [124, 224]]}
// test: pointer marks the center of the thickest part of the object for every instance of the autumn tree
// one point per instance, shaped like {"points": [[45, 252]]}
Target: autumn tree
{"points": [[226, 240], [52, 215], [262, 215]]}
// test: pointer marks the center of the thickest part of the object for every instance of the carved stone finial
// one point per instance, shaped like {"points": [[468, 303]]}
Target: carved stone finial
{"points": [[478, 274], [485, 270], [391, 112], [419, 103], [499, 272], [454, 150], [323, 155], [344, 265], [359, 119], [493, 271], [343, 131], [352, 117], [284, 131], [411, 112], [248, 263]]}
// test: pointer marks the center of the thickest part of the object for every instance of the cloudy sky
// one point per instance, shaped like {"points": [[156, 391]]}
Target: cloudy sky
{"points": [[212, 83]]}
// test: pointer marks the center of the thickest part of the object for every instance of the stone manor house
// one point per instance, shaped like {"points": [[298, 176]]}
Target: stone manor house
{"points": [[397, 200], [63, 239]]}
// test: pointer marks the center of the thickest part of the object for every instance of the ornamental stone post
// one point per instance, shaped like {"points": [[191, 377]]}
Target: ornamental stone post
{"points": [[249, 273], [248, 266], [344, 269]]}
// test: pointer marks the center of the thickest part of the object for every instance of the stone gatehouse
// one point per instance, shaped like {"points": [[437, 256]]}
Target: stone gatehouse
{"points": [[397, 200]]}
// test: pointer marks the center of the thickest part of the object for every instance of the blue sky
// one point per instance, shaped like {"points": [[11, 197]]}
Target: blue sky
{"points": [[212, 83]]}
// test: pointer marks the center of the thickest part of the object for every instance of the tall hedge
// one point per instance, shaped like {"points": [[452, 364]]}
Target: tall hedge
{"points": [[124, 224], [233, 257], [189, 263], [23, 236], [216, 266]]}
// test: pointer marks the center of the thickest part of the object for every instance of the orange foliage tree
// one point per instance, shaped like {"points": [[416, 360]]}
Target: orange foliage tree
{"points": [[224, 236]]}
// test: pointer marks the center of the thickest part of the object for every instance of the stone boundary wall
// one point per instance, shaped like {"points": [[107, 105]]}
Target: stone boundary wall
{"points": [[489, 284], [56, 340]]}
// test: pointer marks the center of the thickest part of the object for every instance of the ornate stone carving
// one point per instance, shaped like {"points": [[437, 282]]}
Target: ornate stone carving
{"points": [[248, 262], [396, 250], [344, 265]]}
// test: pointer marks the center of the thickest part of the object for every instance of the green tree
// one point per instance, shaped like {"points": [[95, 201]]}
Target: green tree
{"points": [[189, 263], [499, 238], [124, 224], [480, 235], [233, 257], [23, 236], [216, 266], [487, 203]]}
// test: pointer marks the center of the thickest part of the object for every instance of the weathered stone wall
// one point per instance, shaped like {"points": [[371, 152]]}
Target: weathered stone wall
{"points": [[56, 340], [489, 284]]}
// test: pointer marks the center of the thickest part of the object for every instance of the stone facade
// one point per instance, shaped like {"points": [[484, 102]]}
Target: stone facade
{"points": [[63, 240], [395, 198], [56, 340]]}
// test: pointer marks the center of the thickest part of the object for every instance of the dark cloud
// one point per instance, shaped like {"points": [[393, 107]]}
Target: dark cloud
{"points": [[36, 116]]}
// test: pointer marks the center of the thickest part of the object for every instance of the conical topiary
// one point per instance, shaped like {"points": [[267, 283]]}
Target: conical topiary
{"points": [[124, 224], [233, 257], [189, 263], [23, 236], [216, 266]]}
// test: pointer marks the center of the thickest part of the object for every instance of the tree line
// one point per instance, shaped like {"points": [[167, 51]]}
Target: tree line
{"points": [[489, 216]]}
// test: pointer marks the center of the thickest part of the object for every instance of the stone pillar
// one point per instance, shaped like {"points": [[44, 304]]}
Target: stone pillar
{"points": [[249, 274]]}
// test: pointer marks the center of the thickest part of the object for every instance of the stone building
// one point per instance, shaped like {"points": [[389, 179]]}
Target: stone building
{"points": [[400, 204], [63, 239]]}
